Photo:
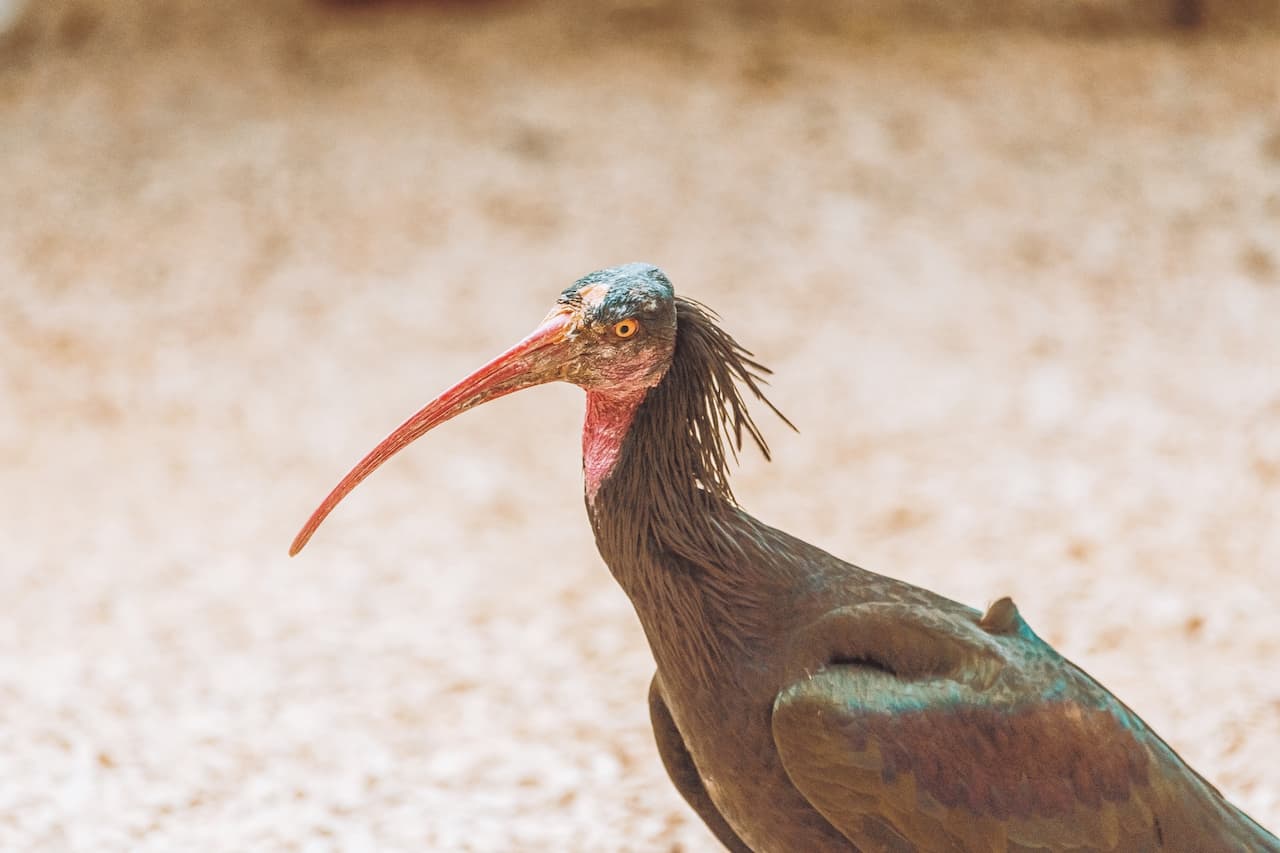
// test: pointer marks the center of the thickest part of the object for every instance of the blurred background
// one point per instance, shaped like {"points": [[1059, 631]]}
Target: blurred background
{"points": [[1016, 266]]}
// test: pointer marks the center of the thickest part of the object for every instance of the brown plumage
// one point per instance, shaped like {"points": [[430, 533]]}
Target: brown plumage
{"points": [[802, 703]]}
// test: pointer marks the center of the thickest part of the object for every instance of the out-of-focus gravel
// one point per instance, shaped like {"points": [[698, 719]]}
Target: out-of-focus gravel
{"points": [[1020, 286]]}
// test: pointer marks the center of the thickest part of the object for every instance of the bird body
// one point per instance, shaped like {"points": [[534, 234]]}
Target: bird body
{"points": [[800, 702], [890, 718]]}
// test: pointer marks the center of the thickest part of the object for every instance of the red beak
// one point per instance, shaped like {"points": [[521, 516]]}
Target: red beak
{"points": [[533, 361]]}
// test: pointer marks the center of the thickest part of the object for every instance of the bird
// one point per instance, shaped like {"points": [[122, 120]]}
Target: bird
{"points": [[802, 703]]}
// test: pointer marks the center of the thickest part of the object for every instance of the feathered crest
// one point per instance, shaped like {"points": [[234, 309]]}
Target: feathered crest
{"points": [[673, 477], [701, 399]]}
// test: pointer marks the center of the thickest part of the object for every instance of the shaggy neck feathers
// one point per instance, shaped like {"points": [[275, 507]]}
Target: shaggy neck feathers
{"points": [[657, 464]]}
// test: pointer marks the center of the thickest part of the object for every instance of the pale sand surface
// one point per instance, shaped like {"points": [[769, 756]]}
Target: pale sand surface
{"points": [[1020, 287]]}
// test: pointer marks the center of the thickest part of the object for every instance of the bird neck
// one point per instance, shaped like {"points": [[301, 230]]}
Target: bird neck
{"points": [[687, 558], [643, 485]]}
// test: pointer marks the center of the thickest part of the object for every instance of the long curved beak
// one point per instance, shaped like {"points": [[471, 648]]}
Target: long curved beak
{"points": [[538, 358]]}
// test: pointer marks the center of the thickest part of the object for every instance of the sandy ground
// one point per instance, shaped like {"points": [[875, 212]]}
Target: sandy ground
{"points": [[1020, 286]]}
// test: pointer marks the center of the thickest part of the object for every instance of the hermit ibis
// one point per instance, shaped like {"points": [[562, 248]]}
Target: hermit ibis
{"points": [[802, 703]]}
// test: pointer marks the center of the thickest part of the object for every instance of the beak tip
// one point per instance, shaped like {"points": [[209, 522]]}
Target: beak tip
{"points": [[313, 523], [299, 542]]}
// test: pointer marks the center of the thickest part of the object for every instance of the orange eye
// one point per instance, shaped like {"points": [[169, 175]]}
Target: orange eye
{"points": [[626, 328]]}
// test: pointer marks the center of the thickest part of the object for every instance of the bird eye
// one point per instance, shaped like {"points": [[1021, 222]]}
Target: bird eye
{"points": [[625, 328]]}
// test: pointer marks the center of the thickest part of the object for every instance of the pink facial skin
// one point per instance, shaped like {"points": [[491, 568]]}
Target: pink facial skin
{"points": [[608, 419]]}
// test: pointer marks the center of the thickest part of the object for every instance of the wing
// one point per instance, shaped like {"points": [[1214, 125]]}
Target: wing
{"points": [[684, 775], [913, 729]]}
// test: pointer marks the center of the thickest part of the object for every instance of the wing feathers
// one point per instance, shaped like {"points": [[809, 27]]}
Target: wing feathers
{"points": [[963, 733]]}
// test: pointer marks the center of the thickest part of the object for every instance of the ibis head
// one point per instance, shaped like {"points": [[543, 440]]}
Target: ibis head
{"points": [[612, 332]]}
